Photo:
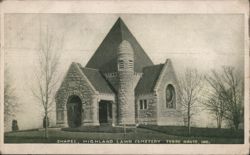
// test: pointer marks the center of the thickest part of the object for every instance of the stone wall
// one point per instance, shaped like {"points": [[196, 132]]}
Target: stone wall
{"points": [[168, 116], [75, 83], [149, 115]]}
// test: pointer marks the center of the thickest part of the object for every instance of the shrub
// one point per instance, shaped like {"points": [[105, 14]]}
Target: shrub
{"points": [[14, 125]]}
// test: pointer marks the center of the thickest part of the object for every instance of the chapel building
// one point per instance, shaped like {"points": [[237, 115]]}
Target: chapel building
{"points": [[120, 85]]}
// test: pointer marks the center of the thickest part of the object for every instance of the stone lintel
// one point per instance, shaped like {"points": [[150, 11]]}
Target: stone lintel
{"points": [[109, 97]]}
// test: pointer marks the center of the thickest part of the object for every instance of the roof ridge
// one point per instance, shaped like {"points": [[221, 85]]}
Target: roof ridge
{"points": [[90, 68], [159, 75], [153, 65]]}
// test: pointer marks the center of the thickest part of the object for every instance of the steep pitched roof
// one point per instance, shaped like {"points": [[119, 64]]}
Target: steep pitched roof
{"points": [[105, 57], [149, 78], [97, 80]]}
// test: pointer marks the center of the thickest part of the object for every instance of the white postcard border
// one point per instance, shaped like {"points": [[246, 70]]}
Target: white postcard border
{"points": [[127, 6]]}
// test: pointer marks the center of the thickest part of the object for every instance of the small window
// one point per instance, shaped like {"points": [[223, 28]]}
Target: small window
{"points": [[143, 104], [121, 64], [130, 64]]}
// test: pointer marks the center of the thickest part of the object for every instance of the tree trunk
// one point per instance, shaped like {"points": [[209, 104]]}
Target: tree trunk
{"points": [[124, 128], [46, 126], [236, 125], [189, 127], [188, 114], [219, 122]]}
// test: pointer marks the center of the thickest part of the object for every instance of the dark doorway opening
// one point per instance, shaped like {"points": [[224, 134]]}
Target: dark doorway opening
{"points": [[105, 112], [74, 111]]}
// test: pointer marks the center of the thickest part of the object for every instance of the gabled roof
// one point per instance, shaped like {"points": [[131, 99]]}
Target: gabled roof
{"points": [[97, 80], [105, 57], [149, 78]]}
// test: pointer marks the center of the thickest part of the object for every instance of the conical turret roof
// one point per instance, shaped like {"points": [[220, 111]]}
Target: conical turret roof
{"points": [[105, 57], [125, 48]]}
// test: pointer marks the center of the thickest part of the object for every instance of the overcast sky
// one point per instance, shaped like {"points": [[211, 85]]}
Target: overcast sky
{"points": [[201, 41]]}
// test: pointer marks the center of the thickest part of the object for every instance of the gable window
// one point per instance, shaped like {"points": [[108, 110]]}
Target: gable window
{"points": [[143, 104], [170, 96]]}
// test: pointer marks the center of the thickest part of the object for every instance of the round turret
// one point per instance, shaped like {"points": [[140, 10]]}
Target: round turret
{"points": [[126, 98], [125, 56]]}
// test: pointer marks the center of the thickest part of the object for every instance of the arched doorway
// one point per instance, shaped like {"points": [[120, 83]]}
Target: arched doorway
{"points": [[74, 111]]}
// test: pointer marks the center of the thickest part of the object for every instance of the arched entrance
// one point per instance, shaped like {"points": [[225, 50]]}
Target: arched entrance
{"points": [[74, 111]]}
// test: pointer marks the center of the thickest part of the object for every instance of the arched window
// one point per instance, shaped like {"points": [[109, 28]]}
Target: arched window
{"points": [[170, 96]]}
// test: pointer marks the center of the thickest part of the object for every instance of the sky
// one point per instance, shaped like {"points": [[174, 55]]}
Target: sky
{"points": [[202, 41]]}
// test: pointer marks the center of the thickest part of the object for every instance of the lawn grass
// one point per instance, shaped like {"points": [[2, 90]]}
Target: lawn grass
{"points": [[138, 135], [104, 129], [196, 132], [38, 136]]}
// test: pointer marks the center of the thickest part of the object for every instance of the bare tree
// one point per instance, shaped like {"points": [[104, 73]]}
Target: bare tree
{"points": [[229, 88], [46, 73], [190, 89], [214, 103], [10, 98]]}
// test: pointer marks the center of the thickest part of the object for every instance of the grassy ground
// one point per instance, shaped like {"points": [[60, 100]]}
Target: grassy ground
{"points": [[105, 129], [196, 132], [139, 135]]}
